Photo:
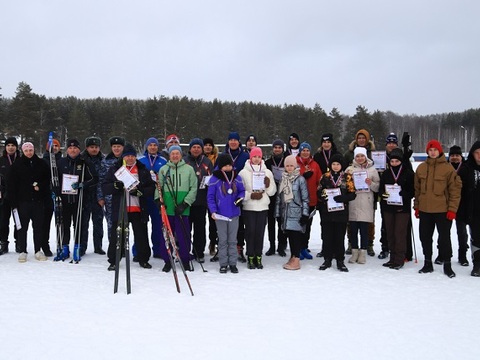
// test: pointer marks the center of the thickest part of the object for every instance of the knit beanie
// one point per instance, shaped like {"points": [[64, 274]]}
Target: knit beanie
{"points": [[151, 140], [327, 137], [396, 154], [278, 142], [54, 142], [290, 160], [391, 138], [27, 145], [208, 141], [251, 137], [173, 148], [171, 138], [455, 150], [359, 150], [338, 158], [233, 136], [196, 141], [434, 144], [255, 151], [73, 142], [11, 140], [294, 136], [129, 150], [222, 160], [305, 145]]}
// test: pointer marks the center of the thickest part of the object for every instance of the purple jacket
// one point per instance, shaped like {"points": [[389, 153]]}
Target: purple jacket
{"points": [[221, 202]]}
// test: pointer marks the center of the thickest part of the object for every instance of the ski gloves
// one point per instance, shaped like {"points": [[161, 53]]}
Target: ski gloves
{"points": [[180, 208]]}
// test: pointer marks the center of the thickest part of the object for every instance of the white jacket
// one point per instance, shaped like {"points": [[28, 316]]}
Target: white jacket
{"points": [[247, 177], [361, 209]]}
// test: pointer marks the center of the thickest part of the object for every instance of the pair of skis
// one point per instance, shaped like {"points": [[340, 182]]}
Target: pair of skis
{"points": [[171, 243], [123, 231], [57, 199]]}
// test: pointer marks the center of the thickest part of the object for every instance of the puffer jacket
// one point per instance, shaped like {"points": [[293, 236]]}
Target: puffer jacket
{"points": [[291, 213], [179, 184], [437, 186], [247, 177], [220, 201], [307, 165], [362, 208]]}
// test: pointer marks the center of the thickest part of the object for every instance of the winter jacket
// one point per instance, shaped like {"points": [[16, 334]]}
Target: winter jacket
{"points": [[290, 213], [218, 198], [96, 162], [202, 167], [307, 165], [153, 163], [469, 172], [322, 157], [362, 207], [5, 167], [24, 172], [405, 180], [437, 186], [239, 157], [347, 189], [179, 184], [146, 187], [247, 178], [89, 177], [109, 161]]}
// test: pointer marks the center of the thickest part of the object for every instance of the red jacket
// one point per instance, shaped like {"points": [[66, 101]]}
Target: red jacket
{"points": [[307, 165]]}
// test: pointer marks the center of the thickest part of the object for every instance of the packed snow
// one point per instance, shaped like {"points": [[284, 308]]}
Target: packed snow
{"points": [[58, 309]]}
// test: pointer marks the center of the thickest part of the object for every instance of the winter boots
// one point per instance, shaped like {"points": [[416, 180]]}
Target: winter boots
{"points": [[76, 253], [63, 255], [251, 262], [292, 264], [22, 257], [40, 256], [354, 258], [462, 258], [271, 250], [326, 264], [341, 266], [362, 256], [447, 269], [304, 254], [427, 267], [259, 264]]}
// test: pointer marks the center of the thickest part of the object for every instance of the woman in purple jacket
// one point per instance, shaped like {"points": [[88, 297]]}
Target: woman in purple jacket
{"points": [[225, 194]]}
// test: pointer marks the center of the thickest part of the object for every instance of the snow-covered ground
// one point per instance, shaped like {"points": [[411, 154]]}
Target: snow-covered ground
{"points": [[52, 310]]}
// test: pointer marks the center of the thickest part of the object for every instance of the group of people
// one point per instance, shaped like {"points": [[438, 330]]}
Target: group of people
{"points": [[242, 192]]}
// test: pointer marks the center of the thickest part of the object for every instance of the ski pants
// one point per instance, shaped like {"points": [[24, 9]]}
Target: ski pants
{"points": [[157, 238], [227, 241], [255, 222], [92, 209], [428, 222], [333, 234], [30, 210], [181, 230]]}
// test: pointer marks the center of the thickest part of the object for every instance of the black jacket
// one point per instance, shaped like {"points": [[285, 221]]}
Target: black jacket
{"points": [[86, 175]]}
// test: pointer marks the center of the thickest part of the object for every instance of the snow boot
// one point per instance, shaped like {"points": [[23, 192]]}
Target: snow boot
{"points": [[76, 253], [362, 256], [223, 269], [293, 264], [234, 269], [241, 257], [353, 259], [341, 266], [251, 262], [447, 269], [167, 267], [305, 254], [63, 255], [40, 256], [3, 247], [271, 250], [427, 267], [326, 264], [22, 257], [259, 264], [462, 258]]}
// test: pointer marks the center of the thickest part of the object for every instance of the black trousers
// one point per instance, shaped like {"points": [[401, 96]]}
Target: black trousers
{"points": [[295, 240], [198, 220], [428, 222], [69, 215], [5, 212], [140, 238], [30, 210], [333, 234], [272, 229], [255, 222]]}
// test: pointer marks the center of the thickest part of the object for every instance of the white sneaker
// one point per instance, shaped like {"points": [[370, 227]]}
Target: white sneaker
{"points": [[22, 257], [40, 256]]}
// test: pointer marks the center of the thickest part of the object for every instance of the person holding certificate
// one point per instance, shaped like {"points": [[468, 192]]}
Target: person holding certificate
{"points": [[396, 193], [336, 190], [259, 186], [361, 211]]}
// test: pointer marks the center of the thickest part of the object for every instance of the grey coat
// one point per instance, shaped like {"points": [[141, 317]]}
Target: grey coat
{"points": [[291, 213]]}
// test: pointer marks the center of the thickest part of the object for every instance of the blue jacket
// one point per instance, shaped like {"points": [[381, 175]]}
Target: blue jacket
{"points": [[221, 202]]}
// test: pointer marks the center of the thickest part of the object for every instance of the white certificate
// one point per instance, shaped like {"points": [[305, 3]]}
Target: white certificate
{"points": [[16, 219], [205, 181], [129, 181], [222, 218], [258, 180], [394, 195], [332, 205], [359, 178], [379, 160], [67, 181]]}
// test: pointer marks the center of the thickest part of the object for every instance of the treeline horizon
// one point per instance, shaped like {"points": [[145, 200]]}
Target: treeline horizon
{"points": [[31, 117]]}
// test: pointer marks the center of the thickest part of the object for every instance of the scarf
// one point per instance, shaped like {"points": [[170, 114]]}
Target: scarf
{"points": [[286, 184]]}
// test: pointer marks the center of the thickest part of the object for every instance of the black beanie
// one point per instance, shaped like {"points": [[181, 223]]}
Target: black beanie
{"points": [[208, 141], [337, 158], [222, 160], [455, 150], [11, 140], [129, 150], [396, 154]]}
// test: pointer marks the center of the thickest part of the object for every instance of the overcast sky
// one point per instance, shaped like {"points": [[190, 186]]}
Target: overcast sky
{"points": [[409, 56]]}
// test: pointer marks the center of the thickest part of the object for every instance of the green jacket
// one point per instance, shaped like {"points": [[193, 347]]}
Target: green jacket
{"points": [[179, 184]]}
